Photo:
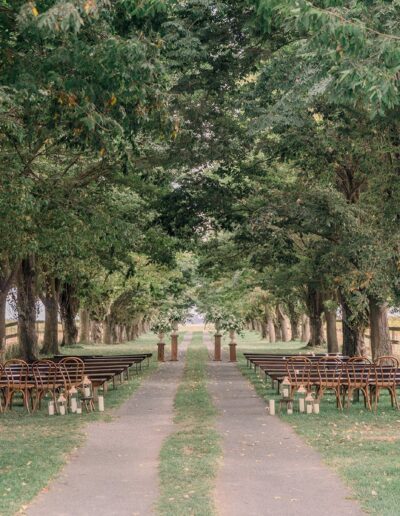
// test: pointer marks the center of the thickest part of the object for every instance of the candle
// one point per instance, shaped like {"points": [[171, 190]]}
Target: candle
{"points": [[86, 391], [73, 405], [101, 403], [285, 393], [309, 408], [51, 408], [62, 410], [79, 410], [316, 408], [301, 405], [272, 407], [290, 410]]}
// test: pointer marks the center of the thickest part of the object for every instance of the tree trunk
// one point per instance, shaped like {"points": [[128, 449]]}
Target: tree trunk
{"points": [[50, 302], [69, 306], [353, 334], [264, 330], [294, 327], [84, 325], [379, 328], [26, 307], [271, 330], [331, 334], [305, 328], [315, 309], [95, 332], [108, 330], [278, 333], [282, 323], [3, 305]]}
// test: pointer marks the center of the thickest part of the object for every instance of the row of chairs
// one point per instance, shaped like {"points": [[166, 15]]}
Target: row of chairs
{"points": [[345, 378], [34, 381]]}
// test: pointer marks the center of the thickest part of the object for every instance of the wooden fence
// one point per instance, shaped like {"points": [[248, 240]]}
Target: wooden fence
{"points": [[12, 332]]}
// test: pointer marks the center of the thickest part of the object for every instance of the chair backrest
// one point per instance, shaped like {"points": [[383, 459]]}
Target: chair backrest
{"points": [[73, 369], [385, 369], [45, 374], [16, 372], [357, 371], [330, 370], [298, 371]]}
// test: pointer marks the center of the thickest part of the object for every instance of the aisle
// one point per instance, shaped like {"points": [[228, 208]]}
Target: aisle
{"points": [[116, 471], [266, 468]]}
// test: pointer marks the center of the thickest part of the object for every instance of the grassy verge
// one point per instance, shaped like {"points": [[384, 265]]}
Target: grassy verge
{"points": [[361, 446], [34, 448], [189, 457]]}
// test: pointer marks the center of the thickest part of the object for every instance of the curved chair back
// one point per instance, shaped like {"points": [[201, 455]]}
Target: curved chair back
{"points": [[357, 371], [298, 371], [385, 371], [16, 372], [45, 374], [330, 371], [73, 369]]}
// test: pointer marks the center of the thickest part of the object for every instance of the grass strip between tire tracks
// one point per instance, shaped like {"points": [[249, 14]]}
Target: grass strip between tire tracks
{"points": [[189, 457]]}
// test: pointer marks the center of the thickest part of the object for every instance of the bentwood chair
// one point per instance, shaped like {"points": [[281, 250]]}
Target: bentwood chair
{"points": [[298, 372], [73, 369], [356, 377], [48, 380], [385, 369], [329, 370], [18, 379]]}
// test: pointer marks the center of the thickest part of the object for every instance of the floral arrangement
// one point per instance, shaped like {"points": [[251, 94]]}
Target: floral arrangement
{"points": [[233, 323], [161, 325]]}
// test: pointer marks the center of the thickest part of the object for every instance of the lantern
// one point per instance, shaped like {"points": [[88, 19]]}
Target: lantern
{"points": [[78, 406], [73, 399], [62, 404], [100, 401], [302, 392], [51, 407], [87, 388], [289, 406], [309, 403], [285, 387], [316, 407]]}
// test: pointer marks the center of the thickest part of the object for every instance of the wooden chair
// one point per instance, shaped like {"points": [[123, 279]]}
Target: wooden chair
{"points": [[74, 370], [357, 371], [330, 370], [48, 380], [385, 369], [18, 379], [298, 372]]}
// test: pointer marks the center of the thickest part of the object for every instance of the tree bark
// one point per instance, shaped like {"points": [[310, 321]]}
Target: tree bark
{"points": [[264, 330], [278, 332], [315, 309], [69, 306], [379, 329], [95, 332], [271, 330], [107, 330], [282, 323], [353, 334], [305, 328], [84, 325], [26, 307], [3, 305], [50, 302], [331, 333], [294, 327]]}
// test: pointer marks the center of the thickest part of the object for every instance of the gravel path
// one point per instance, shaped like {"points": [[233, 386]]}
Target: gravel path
{"points": [[266, 468], [116, 471]]}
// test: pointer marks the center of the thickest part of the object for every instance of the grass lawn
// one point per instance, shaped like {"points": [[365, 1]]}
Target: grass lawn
{"points": [[33, 448], [189, 457], [363, 447]]}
